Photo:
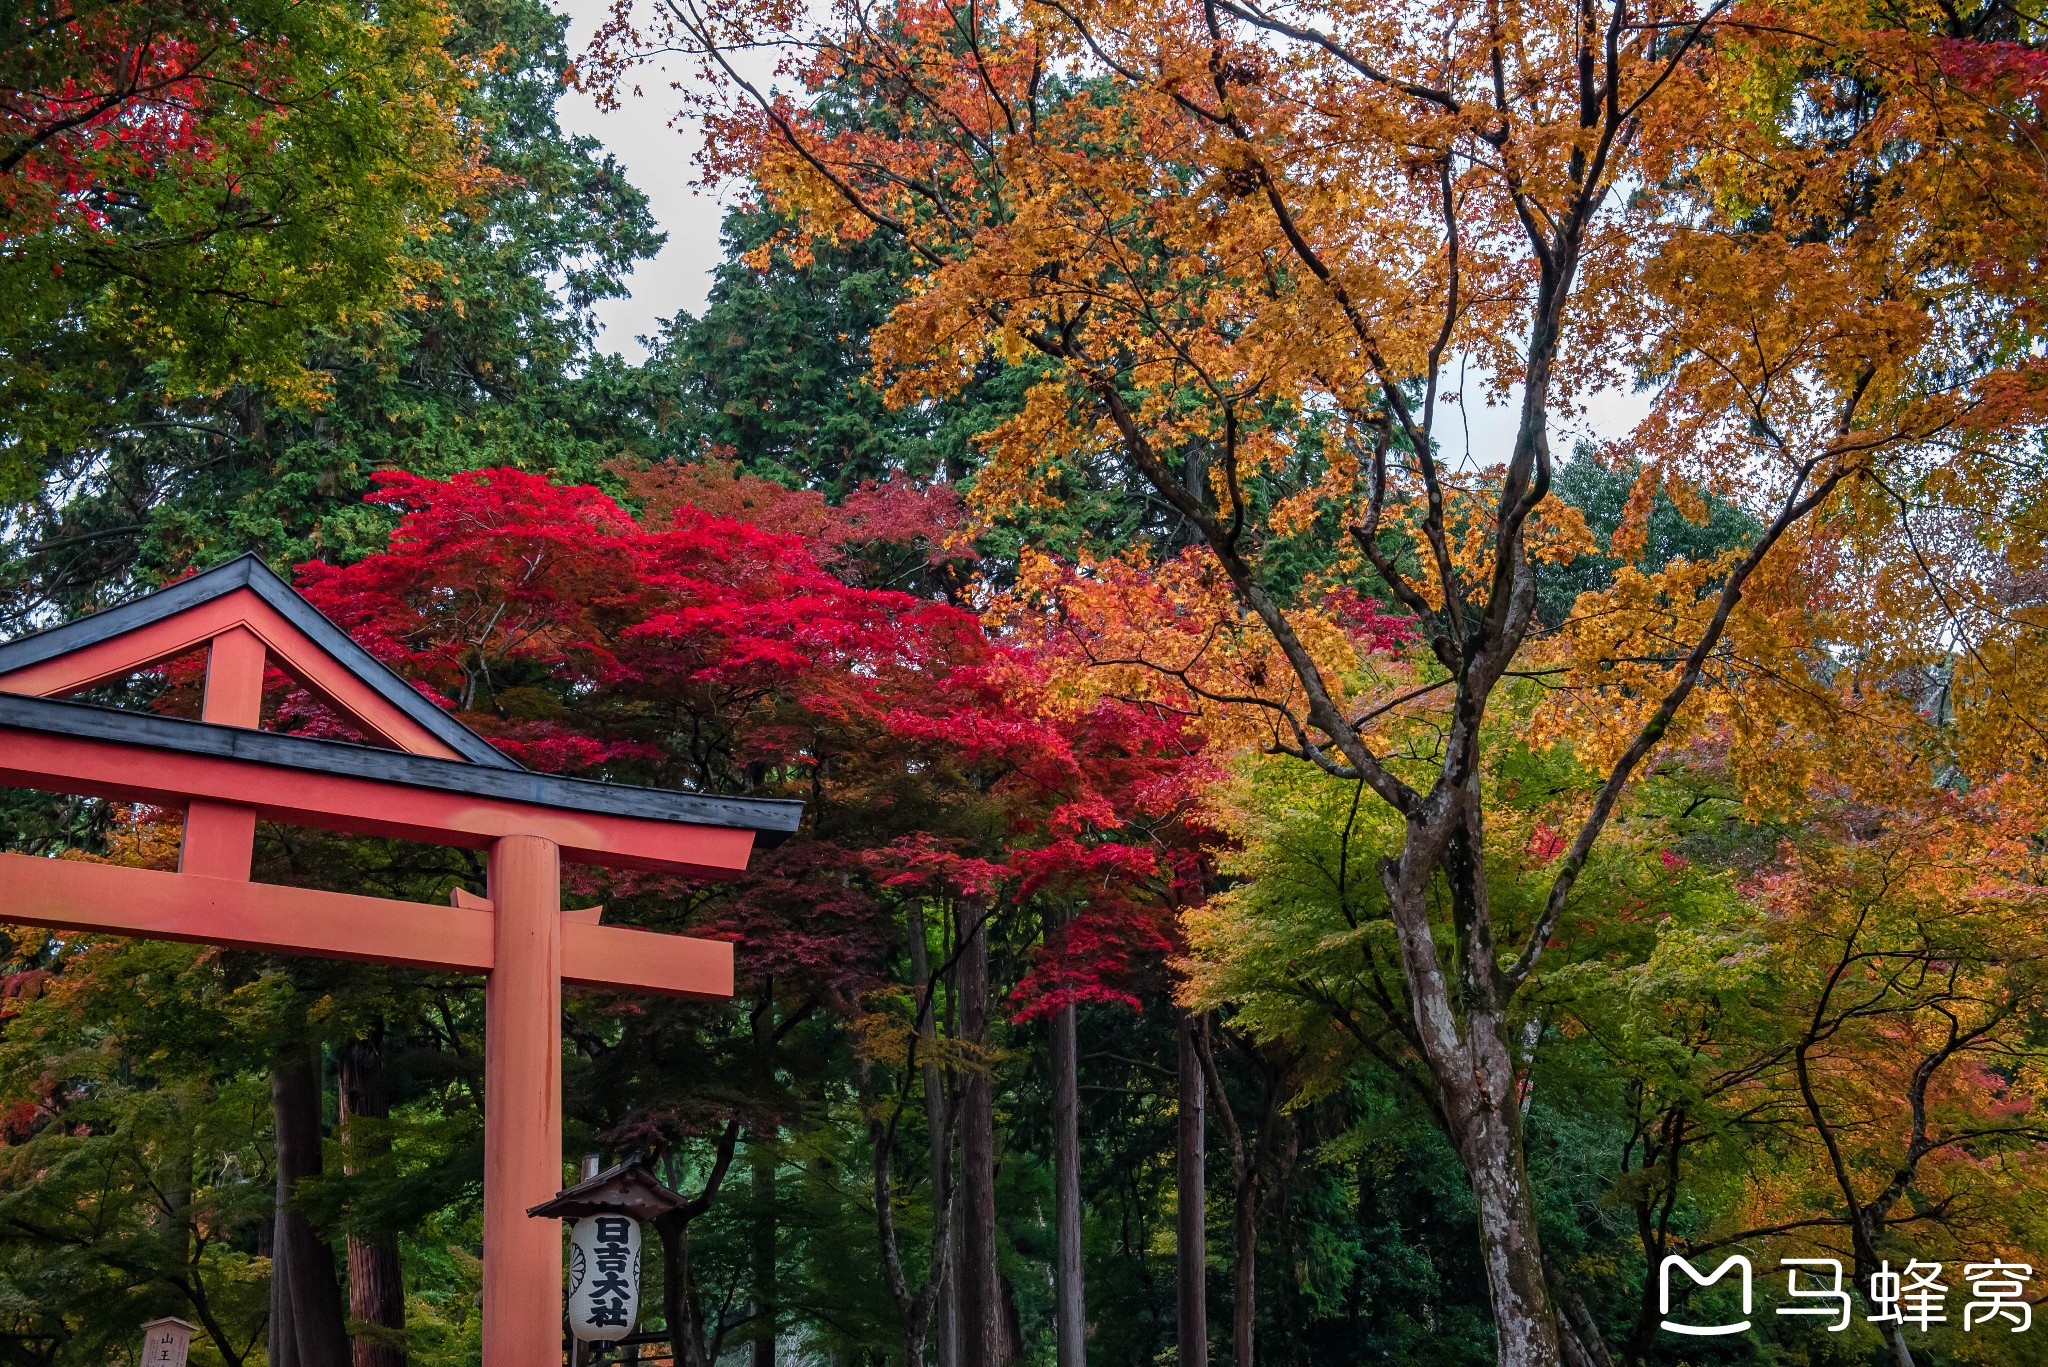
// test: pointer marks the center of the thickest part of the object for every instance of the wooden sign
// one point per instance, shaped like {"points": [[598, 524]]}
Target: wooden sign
{"points": [[166, 1342]]}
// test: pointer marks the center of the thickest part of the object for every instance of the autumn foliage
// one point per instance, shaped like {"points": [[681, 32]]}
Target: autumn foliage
{"points": [[694, 649], [1235, 251], [188, 188], [1138, 482]]}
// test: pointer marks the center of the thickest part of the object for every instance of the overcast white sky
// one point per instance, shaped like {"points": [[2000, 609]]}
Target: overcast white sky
{"points": [[659, 159]]}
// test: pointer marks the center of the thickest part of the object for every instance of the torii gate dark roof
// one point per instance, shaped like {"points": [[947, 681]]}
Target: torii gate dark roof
{"points": [[772, 818], [249, 572], [245, 592]]}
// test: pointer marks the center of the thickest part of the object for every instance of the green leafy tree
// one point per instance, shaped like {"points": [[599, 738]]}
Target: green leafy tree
{"points": [[487, 360], [193, 194]]}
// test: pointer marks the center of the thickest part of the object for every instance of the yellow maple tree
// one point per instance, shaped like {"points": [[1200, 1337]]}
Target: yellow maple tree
{"points": [[1238, 248]]}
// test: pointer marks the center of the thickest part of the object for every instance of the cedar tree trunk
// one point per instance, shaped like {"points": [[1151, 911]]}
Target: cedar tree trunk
{"points": [[303, 1284], [1192, 1260], [1070, 1303], [376, 1288], [761, 1182], [946, 1341], [978, 1322]]}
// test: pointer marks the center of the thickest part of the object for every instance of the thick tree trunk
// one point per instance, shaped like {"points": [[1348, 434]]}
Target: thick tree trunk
{"points": [[1070, 1305], [956, 1257], [761, 1160], [945, 1340], [282, 1344], [1472, 1062], [677, 1298], [690, 1338], [305, 1295], [694, 1339], [376, 1286], [283, 1338], [1192, 1242], [979, 1319], [1011, 1342], [1524, 1319]]}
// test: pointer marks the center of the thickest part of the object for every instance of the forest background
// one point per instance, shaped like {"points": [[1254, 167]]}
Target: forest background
{"points": [[1010, 502]]}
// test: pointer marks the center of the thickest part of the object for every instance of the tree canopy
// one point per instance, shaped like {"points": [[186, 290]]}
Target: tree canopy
{"points": [[1271, 889]]}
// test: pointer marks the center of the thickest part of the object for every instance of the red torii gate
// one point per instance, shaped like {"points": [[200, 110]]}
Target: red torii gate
{"points": [[440, 783]]}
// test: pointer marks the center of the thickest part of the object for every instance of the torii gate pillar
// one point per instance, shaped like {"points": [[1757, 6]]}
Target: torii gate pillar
{"points": [[523, 1097]]}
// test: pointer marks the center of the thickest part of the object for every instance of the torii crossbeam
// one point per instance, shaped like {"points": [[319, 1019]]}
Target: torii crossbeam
{"points": [[440, 783]]}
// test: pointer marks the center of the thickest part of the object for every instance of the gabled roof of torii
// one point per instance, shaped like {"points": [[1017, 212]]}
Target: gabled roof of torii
{"points": [[433, 751], [246, 576]]}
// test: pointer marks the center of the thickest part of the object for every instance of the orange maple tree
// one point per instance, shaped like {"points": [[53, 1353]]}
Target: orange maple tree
{"points": [[1237, 249]]}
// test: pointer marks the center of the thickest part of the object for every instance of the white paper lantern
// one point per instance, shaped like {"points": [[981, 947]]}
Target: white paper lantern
{"points": [[604, 1277]]}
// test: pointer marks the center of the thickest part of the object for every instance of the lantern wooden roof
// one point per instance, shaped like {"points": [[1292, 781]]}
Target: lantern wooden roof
{"points": [[622, 1189]]}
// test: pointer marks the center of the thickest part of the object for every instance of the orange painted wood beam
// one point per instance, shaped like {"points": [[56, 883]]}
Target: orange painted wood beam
{"points": [[522, 1290], [357, 806], [70, 894], [220, 840], [107, 899], [119, 656], [289, 649], [631, 960]]}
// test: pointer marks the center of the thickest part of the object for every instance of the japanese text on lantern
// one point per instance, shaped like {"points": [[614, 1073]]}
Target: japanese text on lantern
{"points": [[604, 1277], [611, 1294]]}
